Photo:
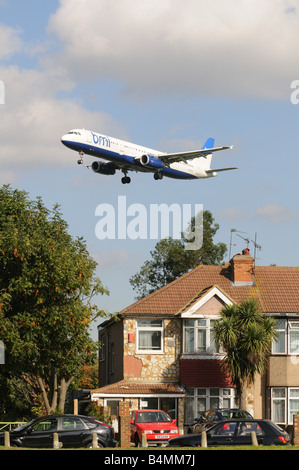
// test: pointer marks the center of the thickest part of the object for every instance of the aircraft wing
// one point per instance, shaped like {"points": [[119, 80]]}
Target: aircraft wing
{"points": [[169, 158]]}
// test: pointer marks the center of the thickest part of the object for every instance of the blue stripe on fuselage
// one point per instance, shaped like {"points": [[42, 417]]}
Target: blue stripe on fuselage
{"points": [[124, 160]]}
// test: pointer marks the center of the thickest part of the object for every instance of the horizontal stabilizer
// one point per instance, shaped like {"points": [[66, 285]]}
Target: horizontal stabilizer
{"points": [[217, 170]]}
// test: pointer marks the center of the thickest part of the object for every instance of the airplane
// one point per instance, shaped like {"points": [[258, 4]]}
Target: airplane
{"points": [[126, 156]]}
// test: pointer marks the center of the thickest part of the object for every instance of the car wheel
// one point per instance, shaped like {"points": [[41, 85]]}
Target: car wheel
{"points": [[89, 445]]}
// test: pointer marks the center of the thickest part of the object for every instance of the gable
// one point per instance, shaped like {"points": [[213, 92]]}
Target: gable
{"points": [[212, 306], [207, 302]]}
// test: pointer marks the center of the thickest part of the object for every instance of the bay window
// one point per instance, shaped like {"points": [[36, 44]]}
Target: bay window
{"points": [[198, 338], [287, 340], [284, 404], [199, 400]]}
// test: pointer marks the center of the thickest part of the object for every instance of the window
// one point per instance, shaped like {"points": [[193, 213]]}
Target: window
{"points": [[71, 424], [199, 400], [287, 340], [293, 337], [284, 404], [279, 405], [46, 425], [167, 404], [279, 344], [197, 336], [150, 336]]}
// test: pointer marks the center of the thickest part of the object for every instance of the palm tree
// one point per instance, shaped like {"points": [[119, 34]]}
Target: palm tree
{"points": [[245, 335]]}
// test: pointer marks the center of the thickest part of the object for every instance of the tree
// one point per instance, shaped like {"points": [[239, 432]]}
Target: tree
{"points": [[245, 335], [47, 283], [170, 259]]}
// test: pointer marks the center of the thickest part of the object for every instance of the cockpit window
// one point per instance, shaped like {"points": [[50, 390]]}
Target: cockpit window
{"points": [[74, 132]]}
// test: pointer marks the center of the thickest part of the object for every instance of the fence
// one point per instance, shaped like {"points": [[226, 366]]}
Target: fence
{"points": [[9, 425]]}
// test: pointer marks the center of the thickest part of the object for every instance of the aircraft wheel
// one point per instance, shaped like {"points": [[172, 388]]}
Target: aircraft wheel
{"points": [[158, 176], [126, 180]]}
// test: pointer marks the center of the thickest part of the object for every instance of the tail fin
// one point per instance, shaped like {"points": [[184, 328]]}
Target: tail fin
{"points": [[209, 143], [205, 163]]}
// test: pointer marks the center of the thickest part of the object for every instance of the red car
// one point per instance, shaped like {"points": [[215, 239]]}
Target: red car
{"points": [[156, 424]]}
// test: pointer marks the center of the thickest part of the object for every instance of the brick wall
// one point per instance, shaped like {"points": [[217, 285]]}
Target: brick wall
{"points": [[124, 424], [296, 430]]}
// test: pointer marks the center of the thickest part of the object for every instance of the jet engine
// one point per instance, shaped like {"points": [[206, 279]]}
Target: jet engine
{"points": [[103, 168], [152, 162]]}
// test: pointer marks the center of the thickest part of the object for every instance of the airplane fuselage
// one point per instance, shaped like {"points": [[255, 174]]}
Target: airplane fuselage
{"points": [[127, 156]]}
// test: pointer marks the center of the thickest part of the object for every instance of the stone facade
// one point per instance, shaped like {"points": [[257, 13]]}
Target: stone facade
{"points": [[152, 367]]}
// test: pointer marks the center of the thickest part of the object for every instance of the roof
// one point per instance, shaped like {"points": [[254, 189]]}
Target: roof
{"points": [[276, 289], [134, 388]]}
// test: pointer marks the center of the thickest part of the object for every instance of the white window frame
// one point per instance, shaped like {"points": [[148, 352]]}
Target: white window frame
{"points": [[292, 326], [159, 329], [281, 330], [287, 399], [194, 394], [207, 328]]}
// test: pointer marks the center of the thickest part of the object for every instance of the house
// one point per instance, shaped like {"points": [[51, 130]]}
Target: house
{"points": [[160, 353]]}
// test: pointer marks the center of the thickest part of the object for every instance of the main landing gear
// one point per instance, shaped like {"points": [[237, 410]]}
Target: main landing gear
{"points": [[158, 176], [125, 179]]}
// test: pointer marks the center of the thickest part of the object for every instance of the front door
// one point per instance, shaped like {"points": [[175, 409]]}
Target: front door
{"points": [[41, 434]]}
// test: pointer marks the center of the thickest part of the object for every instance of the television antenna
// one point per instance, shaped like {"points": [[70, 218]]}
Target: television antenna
{"points": [[233, 230], [256, 247]]}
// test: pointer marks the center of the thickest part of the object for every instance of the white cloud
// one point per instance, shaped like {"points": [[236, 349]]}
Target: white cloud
{"points": [[232, 213], [33, 121], [277, 213], [234, 48], [10, 41]]}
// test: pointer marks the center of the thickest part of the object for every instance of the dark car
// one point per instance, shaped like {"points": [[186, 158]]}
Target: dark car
{"points": [[73, 431], [213, 416], [236, 432]]}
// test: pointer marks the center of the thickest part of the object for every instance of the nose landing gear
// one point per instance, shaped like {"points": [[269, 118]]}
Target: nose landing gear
{"points": [[80, 161]]}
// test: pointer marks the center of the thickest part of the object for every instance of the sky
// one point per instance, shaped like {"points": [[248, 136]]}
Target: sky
{"points": [[166, 74]]}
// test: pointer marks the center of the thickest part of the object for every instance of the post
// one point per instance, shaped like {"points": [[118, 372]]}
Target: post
{"points": [[254, 438], [94, 441], [6, 439], [75, 406], [204, 442], [125, 424], [144, 440], [56, 443]]}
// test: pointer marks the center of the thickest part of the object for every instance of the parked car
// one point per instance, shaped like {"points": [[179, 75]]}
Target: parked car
{"points": [[213, 416], [236, 432], [156, 424], [73, 431]]}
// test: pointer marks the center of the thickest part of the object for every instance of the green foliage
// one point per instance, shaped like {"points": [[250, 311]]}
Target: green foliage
{"points": [[245, 334], [96, 411], [170, 260], [47, 282]]}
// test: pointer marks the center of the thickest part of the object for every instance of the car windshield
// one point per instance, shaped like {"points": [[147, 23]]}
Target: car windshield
{"points": [[152, 417]]}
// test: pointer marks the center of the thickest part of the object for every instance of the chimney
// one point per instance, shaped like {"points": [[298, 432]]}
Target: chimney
{"points": [[242, 268]]}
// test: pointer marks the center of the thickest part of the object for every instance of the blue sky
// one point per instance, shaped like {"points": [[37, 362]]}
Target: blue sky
{"points": [[164, 74]]}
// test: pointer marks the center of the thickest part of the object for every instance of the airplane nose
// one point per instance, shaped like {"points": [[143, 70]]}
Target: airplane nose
{"points": [[64, 139]]}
